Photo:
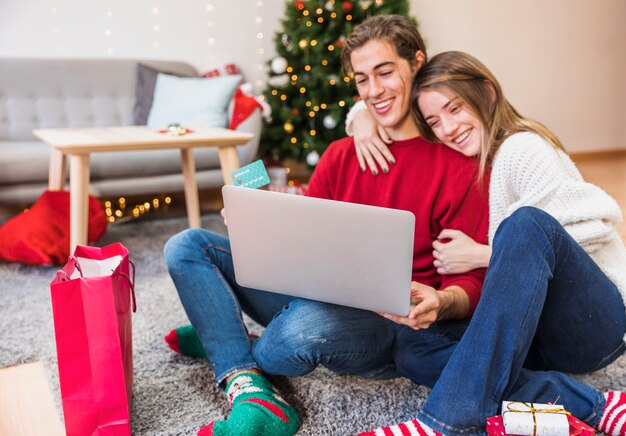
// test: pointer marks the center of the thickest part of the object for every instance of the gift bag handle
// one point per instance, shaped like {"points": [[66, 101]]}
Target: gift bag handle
{"points": [[132, 284], [71, 265]]}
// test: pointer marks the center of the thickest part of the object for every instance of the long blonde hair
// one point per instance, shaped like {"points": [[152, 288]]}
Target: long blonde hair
{"points": [[472, 81]]}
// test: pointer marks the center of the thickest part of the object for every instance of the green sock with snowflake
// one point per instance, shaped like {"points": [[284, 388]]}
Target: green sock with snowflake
{"points": [[257, 410]]}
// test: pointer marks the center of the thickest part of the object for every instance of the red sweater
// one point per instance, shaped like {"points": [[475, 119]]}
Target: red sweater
{"points": [[434, 182]]}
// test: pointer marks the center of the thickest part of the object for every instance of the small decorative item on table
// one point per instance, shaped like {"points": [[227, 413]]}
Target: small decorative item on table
{"points": [[175, 129], [529, 419]]}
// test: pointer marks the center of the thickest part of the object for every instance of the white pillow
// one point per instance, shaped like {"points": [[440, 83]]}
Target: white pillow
{"points": [[192, 101]]}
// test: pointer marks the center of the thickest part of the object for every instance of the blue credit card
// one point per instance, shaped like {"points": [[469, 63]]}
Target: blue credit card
{"points": [[252, 175]]}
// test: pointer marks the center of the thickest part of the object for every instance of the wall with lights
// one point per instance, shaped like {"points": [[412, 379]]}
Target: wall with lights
{"points": [[205, 33]]}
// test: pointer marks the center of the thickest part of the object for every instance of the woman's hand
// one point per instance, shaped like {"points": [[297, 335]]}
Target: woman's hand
{"points": [[370, 142], [459, 254], [428, 303], [223, 213]]}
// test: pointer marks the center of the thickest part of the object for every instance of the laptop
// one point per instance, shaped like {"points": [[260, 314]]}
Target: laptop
{"points": [[331, 251]]}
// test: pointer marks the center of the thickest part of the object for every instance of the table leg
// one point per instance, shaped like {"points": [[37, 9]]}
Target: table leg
{"points": [[191, 187], [56, 170], [229, 162], [79, 199]]}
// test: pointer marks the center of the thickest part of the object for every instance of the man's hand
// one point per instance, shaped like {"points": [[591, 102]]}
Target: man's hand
{"points": [[460, 254], [432, 305], [370, 143], [427, 302]]}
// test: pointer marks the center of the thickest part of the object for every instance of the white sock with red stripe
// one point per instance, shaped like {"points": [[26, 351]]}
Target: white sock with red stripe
{"points": [[613, 421], [409, 428], [257, 410]]}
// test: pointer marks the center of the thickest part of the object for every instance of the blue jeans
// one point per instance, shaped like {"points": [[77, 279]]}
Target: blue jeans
{"points": [[546, 308], [300, 334]]}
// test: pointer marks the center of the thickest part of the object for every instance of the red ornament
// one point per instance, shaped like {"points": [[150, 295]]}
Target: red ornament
{"points": [[347, 6], [295, 111], [299, 4], [340, 42]]}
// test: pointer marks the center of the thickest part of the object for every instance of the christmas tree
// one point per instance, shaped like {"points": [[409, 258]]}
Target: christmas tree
{"points": [[308, 94]]}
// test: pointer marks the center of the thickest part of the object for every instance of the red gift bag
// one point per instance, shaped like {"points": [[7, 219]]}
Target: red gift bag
{"points": [[91, 304]]}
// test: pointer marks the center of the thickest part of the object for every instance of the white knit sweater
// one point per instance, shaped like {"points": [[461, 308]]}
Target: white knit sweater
{"points": [[528, 171]]}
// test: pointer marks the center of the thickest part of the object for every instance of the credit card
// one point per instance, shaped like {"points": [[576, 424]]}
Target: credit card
{"points": [[252, 175]]}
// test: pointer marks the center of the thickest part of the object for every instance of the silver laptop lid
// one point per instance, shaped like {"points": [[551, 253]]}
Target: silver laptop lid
{"points": [[337, 252]]}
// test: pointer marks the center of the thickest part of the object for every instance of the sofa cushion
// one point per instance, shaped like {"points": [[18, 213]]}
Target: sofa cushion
{"points": [[192, 102], [144, 91], [23, 162]]}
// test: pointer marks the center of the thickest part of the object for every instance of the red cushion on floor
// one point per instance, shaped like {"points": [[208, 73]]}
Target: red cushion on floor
{"points": [[41, 236]]}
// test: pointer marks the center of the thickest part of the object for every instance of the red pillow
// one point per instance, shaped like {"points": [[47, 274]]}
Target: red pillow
{"points": [[41, 236]]}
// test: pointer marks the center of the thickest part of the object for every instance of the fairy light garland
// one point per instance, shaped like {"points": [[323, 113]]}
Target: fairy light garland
{"points": [[156, 26], [259, 82], [120, 210], [210, 39], [56, 29]]}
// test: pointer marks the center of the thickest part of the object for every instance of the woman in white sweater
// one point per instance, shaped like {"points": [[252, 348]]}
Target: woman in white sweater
{"points": [[553, 298]]}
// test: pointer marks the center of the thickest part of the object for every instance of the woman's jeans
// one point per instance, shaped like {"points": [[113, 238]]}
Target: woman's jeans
{"points": [[300, 334], [546, 308]]}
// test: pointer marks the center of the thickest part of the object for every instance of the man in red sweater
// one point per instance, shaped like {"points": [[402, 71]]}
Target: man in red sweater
{"points": [[435, 183]]}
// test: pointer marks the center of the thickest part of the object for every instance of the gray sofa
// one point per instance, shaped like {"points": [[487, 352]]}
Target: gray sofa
{"points": [[48, 93]]}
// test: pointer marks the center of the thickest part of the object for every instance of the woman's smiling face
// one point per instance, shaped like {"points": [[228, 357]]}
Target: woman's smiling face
{"points": [[451, 120]]}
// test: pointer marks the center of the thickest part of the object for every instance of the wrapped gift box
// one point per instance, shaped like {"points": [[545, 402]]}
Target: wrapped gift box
{"points": [[495, 427], [530, 419]]}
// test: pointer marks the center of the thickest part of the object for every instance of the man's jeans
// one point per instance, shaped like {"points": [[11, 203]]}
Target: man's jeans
{"points": [[546, 308], [299, 335]]}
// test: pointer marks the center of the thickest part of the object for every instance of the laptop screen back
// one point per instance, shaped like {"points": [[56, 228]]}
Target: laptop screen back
{"points": [[337, 252]]}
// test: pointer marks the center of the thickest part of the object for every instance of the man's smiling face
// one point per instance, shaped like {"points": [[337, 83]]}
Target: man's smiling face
{"points": [[383, 80]]}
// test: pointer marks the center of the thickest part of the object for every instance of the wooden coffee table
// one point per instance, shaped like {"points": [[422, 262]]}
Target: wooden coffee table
{"points": [[79, 143]]}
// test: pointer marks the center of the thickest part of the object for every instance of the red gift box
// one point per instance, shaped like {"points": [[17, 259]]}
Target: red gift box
{"points": [[495, 427]]}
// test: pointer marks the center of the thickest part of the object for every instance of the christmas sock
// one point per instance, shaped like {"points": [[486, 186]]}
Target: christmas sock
{"points": [[185, 340], [613, 420], [257, 410], [409, 428]]}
